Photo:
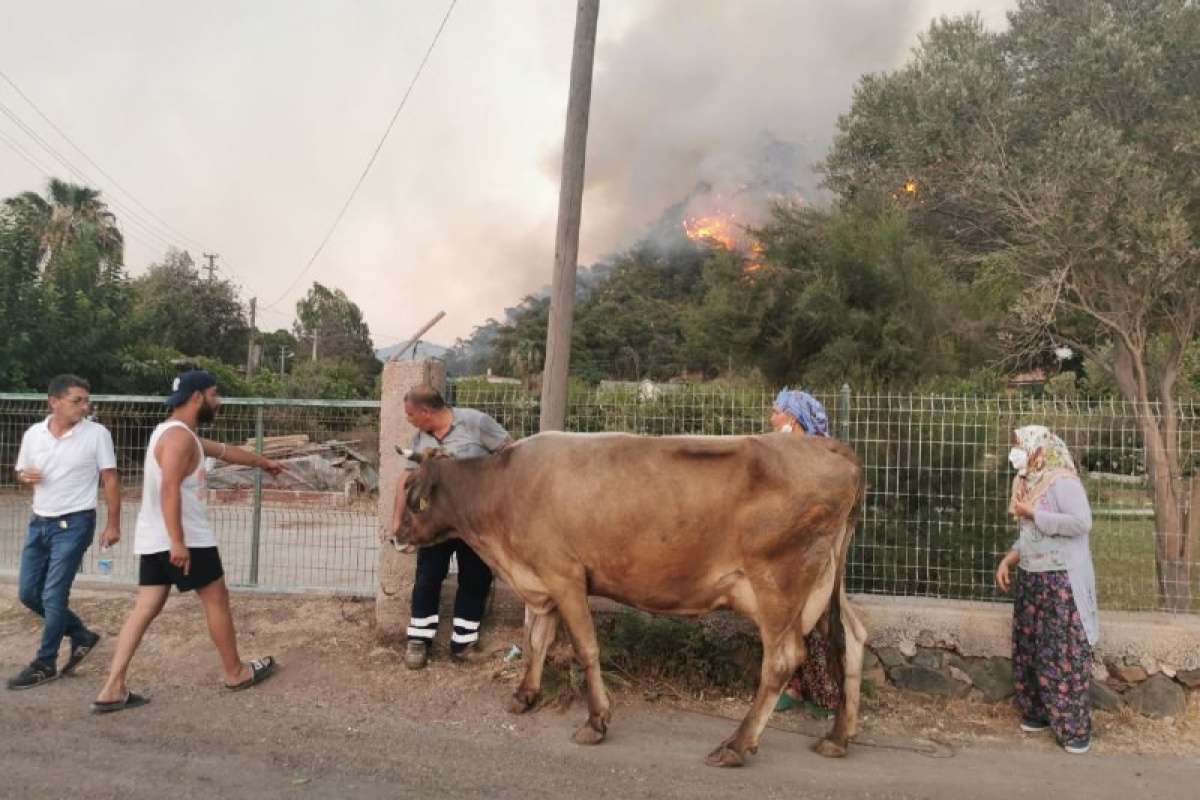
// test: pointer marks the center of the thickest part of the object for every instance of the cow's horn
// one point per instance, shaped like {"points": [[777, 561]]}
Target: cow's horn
{"points": [[416, 458]]}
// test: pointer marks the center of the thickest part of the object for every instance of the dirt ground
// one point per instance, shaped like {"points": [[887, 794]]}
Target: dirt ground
{"points": [[344, 718]]}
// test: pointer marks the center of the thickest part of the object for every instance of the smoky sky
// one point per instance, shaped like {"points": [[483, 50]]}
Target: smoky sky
{"points": [[243, 127]]}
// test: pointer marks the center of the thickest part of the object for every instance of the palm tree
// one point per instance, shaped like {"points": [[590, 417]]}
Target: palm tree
{"points": [[77, 213], [70, 215]]}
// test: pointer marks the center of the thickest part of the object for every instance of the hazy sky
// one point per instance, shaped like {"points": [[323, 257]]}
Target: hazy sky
{"points": [[244, 126]]}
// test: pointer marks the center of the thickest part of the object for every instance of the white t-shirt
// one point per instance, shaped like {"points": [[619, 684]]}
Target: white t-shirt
{"points": [[150, 535], [70, 465]]}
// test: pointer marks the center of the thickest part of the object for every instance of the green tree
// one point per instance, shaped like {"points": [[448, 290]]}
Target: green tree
{"points": [[1062, 159], [329, 326], [81, 293], [21, 298], [174, 306]]}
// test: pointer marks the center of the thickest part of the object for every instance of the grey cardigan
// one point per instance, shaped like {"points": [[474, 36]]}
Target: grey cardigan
{"points": [[1057, 538]]}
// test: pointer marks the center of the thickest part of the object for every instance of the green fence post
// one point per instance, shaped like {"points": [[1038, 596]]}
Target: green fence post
{"points": [[256, 515], [844, 412]]}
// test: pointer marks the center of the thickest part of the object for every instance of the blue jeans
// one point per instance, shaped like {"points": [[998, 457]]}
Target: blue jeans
{"points": [[51, 557]]}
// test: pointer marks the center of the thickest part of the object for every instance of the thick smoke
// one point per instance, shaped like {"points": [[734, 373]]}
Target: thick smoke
{"points": [[712, 102]]}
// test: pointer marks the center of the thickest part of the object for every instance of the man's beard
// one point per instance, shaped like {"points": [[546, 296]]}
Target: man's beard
{"points": [[207, 414]]}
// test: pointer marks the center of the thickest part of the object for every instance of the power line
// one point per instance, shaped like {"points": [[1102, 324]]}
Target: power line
{"points": [[370, 161], [130, 234], [98, 168], [130, 216]]}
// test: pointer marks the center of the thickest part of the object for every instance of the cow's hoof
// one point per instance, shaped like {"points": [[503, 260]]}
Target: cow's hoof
{"points": [[829, 749], [587, 735], [725, 756], [519, 705]]}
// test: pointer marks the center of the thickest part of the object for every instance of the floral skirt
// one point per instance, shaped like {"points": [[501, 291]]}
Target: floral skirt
{"points": [[813, 680], [1052, 660]]}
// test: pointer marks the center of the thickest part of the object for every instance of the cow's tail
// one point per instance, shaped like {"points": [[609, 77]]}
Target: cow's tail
{"points": [[837, 633]]}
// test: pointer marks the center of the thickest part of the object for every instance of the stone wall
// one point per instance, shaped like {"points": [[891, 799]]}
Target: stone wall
{"points": [[1146, 661]]}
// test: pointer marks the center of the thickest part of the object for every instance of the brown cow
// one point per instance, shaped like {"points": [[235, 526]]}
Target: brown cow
{"points": [[675, 525]]}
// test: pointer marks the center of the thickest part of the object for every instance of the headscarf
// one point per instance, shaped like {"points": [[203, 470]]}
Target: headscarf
{"points": [[1056, 460], [805, 409]]}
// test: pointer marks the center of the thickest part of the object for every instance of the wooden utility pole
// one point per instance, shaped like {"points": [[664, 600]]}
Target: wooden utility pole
{"points": [[416, 337], [570, 212], [211, 269], [253, 330]]}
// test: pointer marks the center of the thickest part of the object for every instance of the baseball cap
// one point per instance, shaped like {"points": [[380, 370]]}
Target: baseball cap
{"points": [[188, 383]]}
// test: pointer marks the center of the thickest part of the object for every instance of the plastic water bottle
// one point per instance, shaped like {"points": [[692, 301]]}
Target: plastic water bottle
{"points": [[104, 567]]}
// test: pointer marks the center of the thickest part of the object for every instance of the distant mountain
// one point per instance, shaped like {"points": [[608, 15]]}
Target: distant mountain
{"points": [[423, 350]]}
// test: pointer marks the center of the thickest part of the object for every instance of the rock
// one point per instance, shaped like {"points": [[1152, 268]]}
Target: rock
{"points": [[1168, 670], [1128, 674], [890, 657], [1104, 698], [870, 660], [993, 676], [959, 675], [908, 648], [875, 676], [926, 657], [1099, 671], [929, 681], [1157, 697], [1149, 664], [1189, 678]]}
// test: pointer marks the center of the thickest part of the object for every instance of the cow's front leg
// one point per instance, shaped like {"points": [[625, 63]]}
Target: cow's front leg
{"points": [[577, 616], [539, 636]]}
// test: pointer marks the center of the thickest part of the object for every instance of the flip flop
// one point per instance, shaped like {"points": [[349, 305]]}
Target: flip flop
{"points": [[131, 700], [260, 670]]}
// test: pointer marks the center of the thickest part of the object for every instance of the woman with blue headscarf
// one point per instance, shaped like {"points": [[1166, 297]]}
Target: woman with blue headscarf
{"points": [[798, 413]]}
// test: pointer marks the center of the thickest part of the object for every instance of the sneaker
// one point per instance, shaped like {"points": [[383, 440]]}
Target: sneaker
{"points": [[1030, 725], [416, 654], [31, 676], [1078, 746], [80, 650]]}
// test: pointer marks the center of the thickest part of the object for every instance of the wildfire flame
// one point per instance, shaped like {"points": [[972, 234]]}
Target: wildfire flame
{"points": [[721, 229]]}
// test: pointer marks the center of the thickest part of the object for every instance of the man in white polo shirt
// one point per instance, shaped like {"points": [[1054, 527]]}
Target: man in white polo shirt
{"points": [[63, 458]]}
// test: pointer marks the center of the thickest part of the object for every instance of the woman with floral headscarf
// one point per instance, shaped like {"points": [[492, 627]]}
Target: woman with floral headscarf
{"points": [[800, 414], [1055, 617]]}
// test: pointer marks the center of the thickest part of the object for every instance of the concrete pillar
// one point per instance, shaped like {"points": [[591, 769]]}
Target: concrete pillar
{"points": [[393, 568]]}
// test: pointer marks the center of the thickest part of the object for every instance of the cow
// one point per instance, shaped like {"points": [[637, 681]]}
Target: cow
{"points": [[679, 525]]}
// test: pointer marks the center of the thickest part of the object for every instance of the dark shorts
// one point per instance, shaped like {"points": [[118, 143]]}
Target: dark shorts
{"points": [[156, 569]]}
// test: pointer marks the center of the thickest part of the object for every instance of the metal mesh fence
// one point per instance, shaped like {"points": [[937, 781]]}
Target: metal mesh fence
{"points": [[934, 524], [935, 521], [308, 536]]}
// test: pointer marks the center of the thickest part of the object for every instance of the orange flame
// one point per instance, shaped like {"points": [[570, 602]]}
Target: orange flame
{"points": [[723, 230]]}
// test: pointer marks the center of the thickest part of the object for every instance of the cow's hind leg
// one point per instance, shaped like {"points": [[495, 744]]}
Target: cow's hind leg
{"points": [[577, 616], [845, 724], [539, 636], [782, 652]]}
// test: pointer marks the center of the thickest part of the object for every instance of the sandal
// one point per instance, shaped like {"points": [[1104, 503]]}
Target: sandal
{"points": [[131, 700], [260, 670]]}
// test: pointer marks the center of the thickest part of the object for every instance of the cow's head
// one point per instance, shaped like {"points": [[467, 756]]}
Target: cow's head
{"points": [[426, 518]]}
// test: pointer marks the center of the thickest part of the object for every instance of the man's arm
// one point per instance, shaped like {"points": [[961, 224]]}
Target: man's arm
{"points": [[110, 479], [26, 473], [492, 434], [177, 459], [236, 455]]}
